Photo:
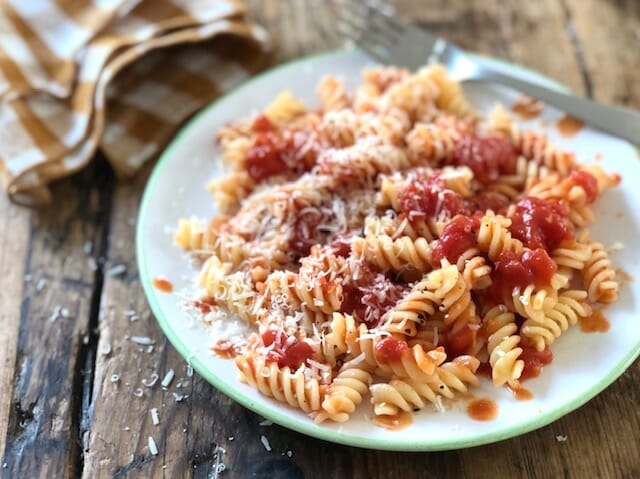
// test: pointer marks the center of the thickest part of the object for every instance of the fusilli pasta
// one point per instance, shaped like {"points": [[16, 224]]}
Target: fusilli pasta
{"points": [[393, 244]]}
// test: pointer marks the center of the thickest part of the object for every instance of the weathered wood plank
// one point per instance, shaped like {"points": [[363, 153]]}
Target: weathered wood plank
{"points": [[532, 34], [608, 36], [14, 245], [53, 330]]}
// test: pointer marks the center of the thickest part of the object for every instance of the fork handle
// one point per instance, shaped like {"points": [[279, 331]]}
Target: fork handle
{"points": [[618, 121]]}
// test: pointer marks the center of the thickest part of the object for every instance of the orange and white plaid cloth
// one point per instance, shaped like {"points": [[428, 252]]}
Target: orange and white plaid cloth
{"points": [[119, 75]]}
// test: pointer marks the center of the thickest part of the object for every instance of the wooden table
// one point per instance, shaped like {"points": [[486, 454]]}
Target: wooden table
{"points": [[65, 316]]}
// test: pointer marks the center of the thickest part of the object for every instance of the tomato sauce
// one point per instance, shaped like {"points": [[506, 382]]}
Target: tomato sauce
{"points": [[521, 394], [274, 153], [340, 245], [595, 323], [305, 229], [162, 284], [396, 422], [488, 157], [527, 108], [569, 126], [286, 350], [485, 370], [458, 236], [225, 349], [511, 271], [428, 197], [488, 200], [369, 296], [482, 410], [587, 181], [534, 361], [540, 223], [266, 157], [205, 305], [390, 350], [460, 342], [262, 123]]}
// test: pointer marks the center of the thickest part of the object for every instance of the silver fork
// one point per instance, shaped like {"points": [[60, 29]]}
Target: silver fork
{"points": [[395, 41]]}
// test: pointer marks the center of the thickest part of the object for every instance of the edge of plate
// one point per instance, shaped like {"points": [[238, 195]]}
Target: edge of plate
{"points": [[394, 443]]}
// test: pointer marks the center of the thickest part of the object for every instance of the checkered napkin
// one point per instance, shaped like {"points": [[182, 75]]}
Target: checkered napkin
{"points": [[119, 75]]}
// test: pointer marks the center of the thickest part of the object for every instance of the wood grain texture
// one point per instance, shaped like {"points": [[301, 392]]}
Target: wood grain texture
{"points": [[14, 245], [607, 37], [53, 331], [78, 400]]}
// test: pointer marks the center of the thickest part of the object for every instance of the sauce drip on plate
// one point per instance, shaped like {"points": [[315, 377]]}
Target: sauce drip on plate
{"points": [[397, 422], [521, 394], [595, 323], [527, 108], [569, 126], [482, 409], [162, 284]]}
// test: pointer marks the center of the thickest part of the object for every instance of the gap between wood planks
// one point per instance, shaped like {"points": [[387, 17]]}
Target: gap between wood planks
{"points": [[85, 367], [577, 48]]}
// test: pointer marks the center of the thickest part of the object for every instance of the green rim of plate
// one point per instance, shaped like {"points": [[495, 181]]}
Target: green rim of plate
{"points": [[271, 412]]}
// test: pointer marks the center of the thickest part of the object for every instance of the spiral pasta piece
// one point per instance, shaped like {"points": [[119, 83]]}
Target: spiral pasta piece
{"points": [[415, 94], [391, 226], [552, 188], [410, 394], [281, 384], [231, 249], [339, 127], [332, 93], [451, 97], [599, 276], [494, 237], [193, 235], [570, 306], [428, 143], [360, 345], [389, 127], [531, 145], [414, 309], [571, 254], [502, 344], [365, 159], [344, 394], [526, 175], [284, 108], [229, 191], [340, 339], [532, 302], [453, 295], [474, 268], [399, 255]]}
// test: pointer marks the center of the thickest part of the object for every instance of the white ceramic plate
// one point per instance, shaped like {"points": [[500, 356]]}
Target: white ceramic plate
{"points": [[584, 364]]}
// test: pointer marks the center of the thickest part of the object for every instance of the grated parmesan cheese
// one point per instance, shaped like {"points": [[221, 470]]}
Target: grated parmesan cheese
{"points": [[152, 381], [40, 285], [617, 246], [265, 443], [153, 448], [116, 270], [167, 379], [155, 419]]}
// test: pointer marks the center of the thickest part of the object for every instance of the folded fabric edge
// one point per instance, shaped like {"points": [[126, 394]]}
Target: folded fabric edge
{"points": [[30, 189]]}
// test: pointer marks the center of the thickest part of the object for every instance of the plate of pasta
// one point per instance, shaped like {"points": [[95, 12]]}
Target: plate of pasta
{"points": [[386, 259]]}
